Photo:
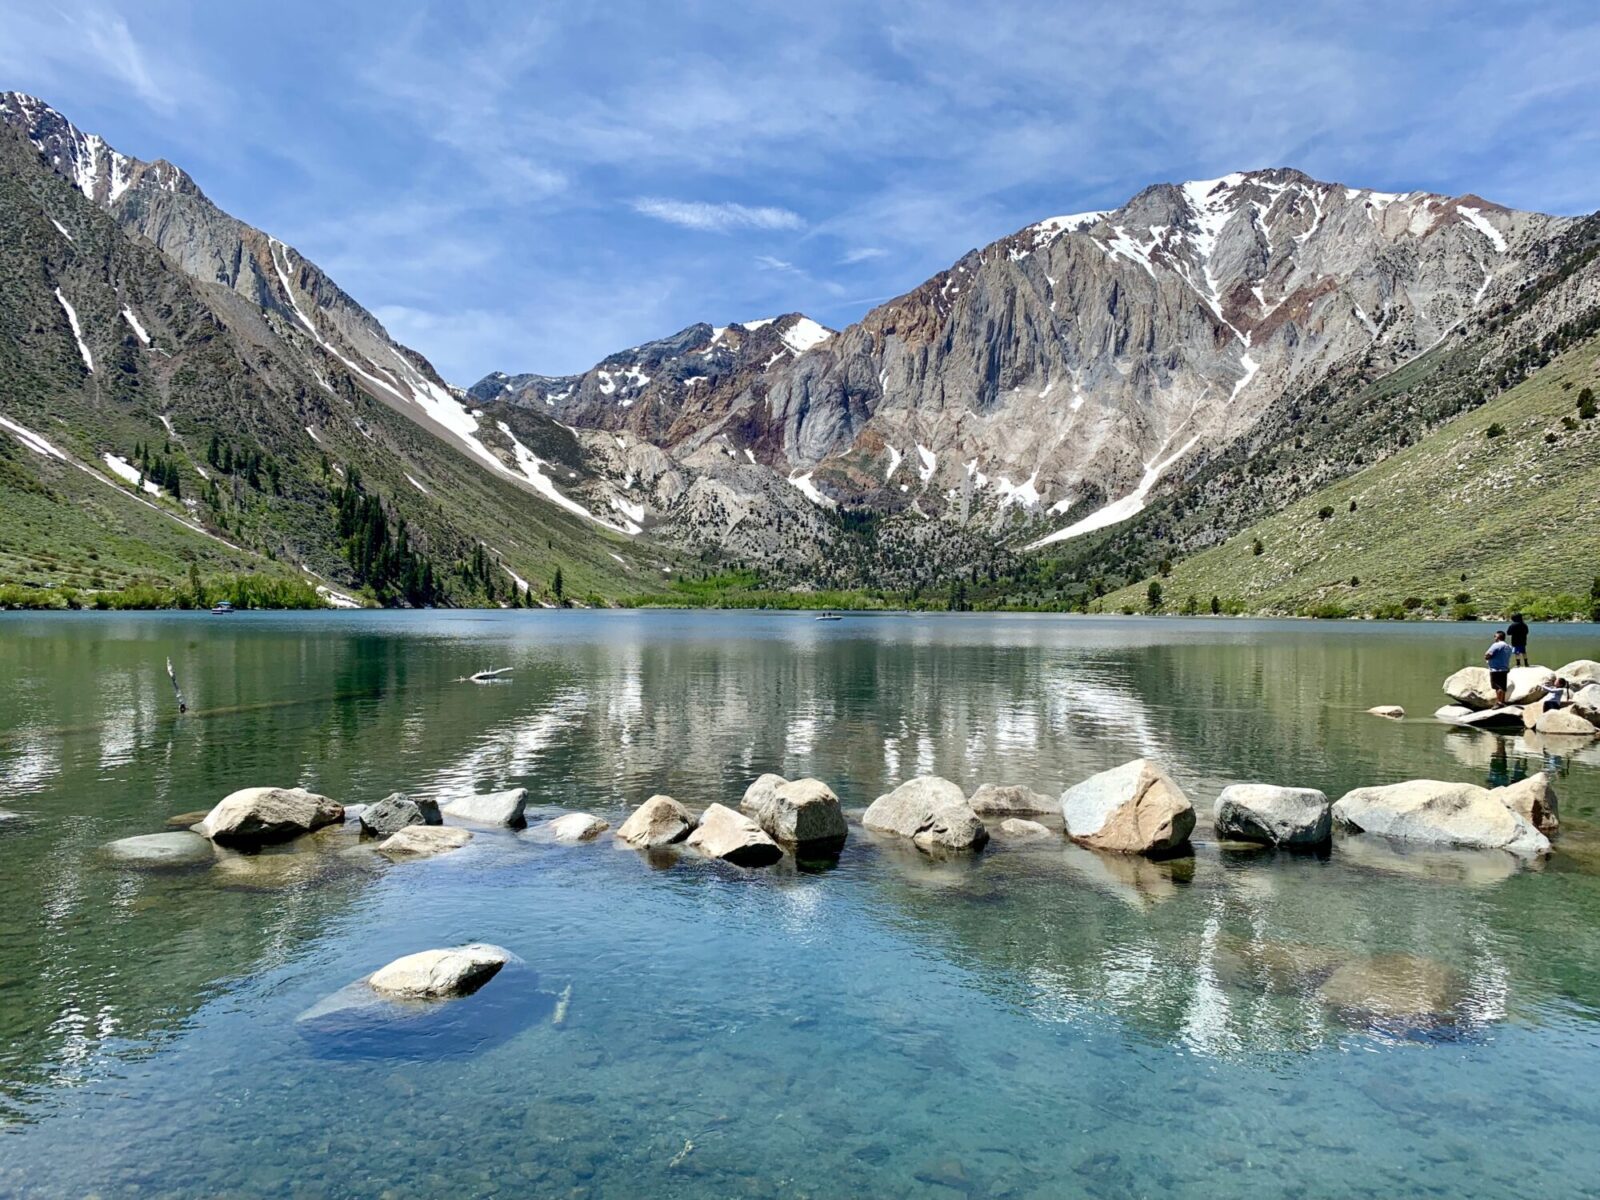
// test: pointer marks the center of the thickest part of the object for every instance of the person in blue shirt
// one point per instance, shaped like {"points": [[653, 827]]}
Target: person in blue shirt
{"points": [[1498, 656]]}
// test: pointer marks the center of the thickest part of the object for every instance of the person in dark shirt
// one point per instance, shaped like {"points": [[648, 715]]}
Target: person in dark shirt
{"points": [[1498, 656], [1517, 632]]}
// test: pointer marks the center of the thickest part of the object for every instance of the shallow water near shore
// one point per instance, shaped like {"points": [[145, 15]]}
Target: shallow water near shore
{"points": [[1035, 1021]]}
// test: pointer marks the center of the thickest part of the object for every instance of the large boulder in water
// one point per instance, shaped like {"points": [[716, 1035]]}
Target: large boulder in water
{"points": [[253, 816], [397, 810], [733, 837], [434, 974], [1566, 722], [1275, 816], [994, 799], [932, 812], [1132, 809], [659, 821], [1534, 800], [1580, 672], [1586, 703], [1441, 814], [1470, 686], [177, 849], [424, 841], [760, 793], [492, 808], [803, 813]]}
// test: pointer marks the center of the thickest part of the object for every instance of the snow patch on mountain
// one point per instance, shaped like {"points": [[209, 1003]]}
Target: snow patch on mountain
{"points": [[77, 331], [133, 324], [810, 490], [126, 470]]}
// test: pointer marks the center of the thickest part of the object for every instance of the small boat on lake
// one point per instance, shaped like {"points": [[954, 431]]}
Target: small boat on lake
{"points": [[222, 606], [830, 616]]}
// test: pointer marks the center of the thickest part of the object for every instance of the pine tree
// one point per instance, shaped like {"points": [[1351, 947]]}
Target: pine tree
{"points": [[558, 585]]}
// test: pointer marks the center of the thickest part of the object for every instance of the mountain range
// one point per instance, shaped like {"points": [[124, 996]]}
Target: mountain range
{"points": [[1058, 413]]}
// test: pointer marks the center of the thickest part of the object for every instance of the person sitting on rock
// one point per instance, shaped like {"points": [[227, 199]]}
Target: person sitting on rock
{"points": [[1517, 631], [1498, 656], [1555, 695]]}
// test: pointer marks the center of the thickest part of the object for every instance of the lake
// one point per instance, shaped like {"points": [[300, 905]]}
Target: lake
{"points": [[1034, 1021]]}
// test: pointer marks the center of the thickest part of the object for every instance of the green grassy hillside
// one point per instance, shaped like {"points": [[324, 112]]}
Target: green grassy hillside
{"points": [[252, 442], [1498, 508]]}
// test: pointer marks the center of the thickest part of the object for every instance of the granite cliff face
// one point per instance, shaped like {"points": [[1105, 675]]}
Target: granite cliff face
{"points": [[1050, 380]]}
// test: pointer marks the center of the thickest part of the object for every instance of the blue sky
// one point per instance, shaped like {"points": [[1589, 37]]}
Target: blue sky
{"points": [[529, 187]]}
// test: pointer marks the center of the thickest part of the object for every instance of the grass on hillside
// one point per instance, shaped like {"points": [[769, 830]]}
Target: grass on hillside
{"points": [[1498, 509]]}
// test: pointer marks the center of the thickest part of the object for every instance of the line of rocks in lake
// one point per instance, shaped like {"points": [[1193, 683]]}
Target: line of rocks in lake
{"points": [[1135, 808]]}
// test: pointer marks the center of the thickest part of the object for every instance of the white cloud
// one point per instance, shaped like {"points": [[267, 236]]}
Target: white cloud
{"points": [[863, 254], [717, 218]]}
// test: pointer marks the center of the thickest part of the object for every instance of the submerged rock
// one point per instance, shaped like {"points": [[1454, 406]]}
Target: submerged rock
{"points": [[733, 837], [1534, 800], [271, 870], [492, 808], [1453, 713], [659, 821], [397, 810], [1274, 816], [176, 849], [1565, 722], [932, 812], [576, 827], [803, 813], [433, 974], [1018, 829], [254, 816], [1393, 711], [187, 820], [421, 841], [1132, 809], [1439, 813], [1393, 987], [1000, 799]]}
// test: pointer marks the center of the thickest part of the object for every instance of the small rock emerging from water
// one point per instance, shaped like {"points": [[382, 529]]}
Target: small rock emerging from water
{"points": [[420, 841], [577, 827], [1274, 816], [932, 812], [1132, 809], [733, 837], [397, 810], [659, 821], [492, 808], [1000, 800], [1393, 711], [431, 974], [253, 816], [1021, 830]]}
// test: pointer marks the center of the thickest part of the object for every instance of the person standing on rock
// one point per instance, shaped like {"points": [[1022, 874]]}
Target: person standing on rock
{"points": [[1517, 631], [1498, 656]]}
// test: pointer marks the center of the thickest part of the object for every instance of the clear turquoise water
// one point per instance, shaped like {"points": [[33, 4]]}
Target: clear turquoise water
{"points": [[1037, 1021]]}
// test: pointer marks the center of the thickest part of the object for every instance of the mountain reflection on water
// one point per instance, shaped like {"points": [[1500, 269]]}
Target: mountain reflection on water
{"points": [[883, 1022]]}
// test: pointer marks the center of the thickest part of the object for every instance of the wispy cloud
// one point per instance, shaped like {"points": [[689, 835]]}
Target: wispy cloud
{"points": [[862, 254], [717, 218]]}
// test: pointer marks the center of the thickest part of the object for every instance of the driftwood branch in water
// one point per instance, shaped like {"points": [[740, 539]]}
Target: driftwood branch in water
{"points": [[183, 707], [485, 676]]}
